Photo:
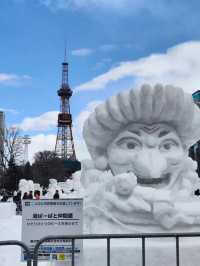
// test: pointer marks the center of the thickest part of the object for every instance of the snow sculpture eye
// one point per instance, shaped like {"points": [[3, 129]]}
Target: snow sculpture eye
{"points": [[129, 144], [168, 145]]}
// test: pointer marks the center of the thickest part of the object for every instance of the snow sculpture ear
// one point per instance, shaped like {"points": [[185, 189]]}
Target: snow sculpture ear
{"points": [[101, 163]]}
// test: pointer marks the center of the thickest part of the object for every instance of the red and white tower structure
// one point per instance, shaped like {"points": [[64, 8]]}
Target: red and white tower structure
{"points": [[64, 148]]}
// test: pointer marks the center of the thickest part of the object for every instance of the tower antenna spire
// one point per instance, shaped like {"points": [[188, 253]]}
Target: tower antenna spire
{"points": [[65, 54], [65, 69]]}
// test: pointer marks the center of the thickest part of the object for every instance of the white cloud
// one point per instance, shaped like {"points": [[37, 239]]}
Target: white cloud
{"points": [[48, 120], [81, 149], [180, 66], [80, 146], [13, 79], [12, 111], [108, 47], [41, 142], [77, 4], [88, 51], [82, 116], [82, 52], [43, 122], [102, 63]]}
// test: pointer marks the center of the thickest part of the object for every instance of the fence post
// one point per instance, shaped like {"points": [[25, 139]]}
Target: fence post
{"points": [[177, 251], [143, 251], [108, 251], [73, 244], [22, 245]]}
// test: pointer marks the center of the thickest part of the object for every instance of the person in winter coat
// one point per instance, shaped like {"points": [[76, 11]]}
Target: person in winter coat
{"points": [[56, 195], [5, 197], [30, 195], [25, 196]]}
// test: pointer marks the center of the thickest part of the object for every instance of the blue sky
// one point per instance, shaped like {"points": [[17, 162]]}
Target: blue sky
{"points": [[111, 46]]}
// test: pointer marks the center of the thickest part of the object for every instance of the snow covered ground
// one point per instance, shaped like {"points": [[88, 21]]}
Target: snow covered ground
{"points": [[10, 229], [123, 252]]}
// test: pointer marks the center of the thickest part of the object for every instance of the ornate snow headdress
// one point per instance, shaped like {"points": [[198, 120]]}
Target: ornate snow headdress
{"points": [[148, 105]]}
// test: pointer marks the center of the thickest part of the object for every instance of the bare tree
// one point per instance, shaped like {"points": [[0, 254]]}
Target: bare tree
{"points": [[47, 165], [43, 156], [11, 147]]}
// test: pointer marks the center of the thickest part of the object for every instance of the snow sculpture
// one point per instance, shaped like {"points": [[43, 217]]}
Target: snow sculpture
{"points": [[30, 185], [37, 187], [53, 186], [27, 186], [23, 186], [76, 182], [140, 173]]}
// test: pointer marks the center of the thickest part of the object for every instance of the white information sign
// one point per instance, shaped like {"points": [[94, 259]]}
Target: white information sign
{"points": [[45, 217]]}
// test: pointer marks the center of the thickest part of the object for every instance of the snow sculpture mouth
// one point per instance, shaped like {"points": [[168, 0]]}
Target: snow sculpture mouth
{"points": [[155, 182]]}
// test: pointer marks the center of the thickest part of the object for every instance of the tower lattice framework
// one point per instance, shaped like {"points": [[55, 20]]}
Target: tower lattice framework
{"points": [[64, 143]]}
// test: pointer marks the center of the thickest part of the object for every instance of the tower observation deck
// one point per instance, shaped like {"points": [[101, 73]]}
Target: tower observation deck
{"points": [[64, 147]]}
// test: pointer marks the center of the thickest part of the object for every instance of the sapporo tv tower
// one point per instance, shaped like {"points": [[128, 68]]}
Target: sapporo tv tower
{"points": [[64, 148]]}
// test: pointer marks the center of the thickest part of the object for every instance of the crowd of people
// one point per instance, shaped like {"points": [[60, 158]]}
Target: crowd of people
{"points": [[17, 197], [27, 190]]}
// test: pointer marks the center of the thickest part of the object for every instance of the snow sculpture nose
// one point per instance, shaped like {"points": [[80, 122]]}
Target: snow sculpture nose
{"points": [[151, 163]]}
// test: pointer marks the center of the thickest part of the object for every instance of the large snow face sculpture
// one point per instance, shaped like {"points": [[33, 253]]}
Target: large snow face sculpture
{"points": [[141, 171], [153, 152]]}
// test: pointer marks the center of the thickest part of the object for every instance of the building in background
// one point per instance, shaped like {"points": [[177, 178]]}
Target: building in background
{"points": [[196, 97], [2, 133], [194, 151]]}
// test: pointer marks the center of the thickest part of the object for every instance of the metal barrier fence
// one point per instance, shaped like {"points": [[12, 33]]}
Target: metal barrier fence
{"points": [[108, 237], [22, 245], [34, 257]]}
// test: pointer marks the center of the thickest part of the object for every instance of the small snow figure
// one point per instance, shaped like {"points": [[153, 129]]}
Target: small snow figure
{"points": [[121, 196]]}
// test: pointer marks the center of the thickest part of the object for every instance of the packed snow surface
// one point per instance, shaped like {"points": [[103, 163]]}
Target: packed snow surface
{"points": [[123, 252]]}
